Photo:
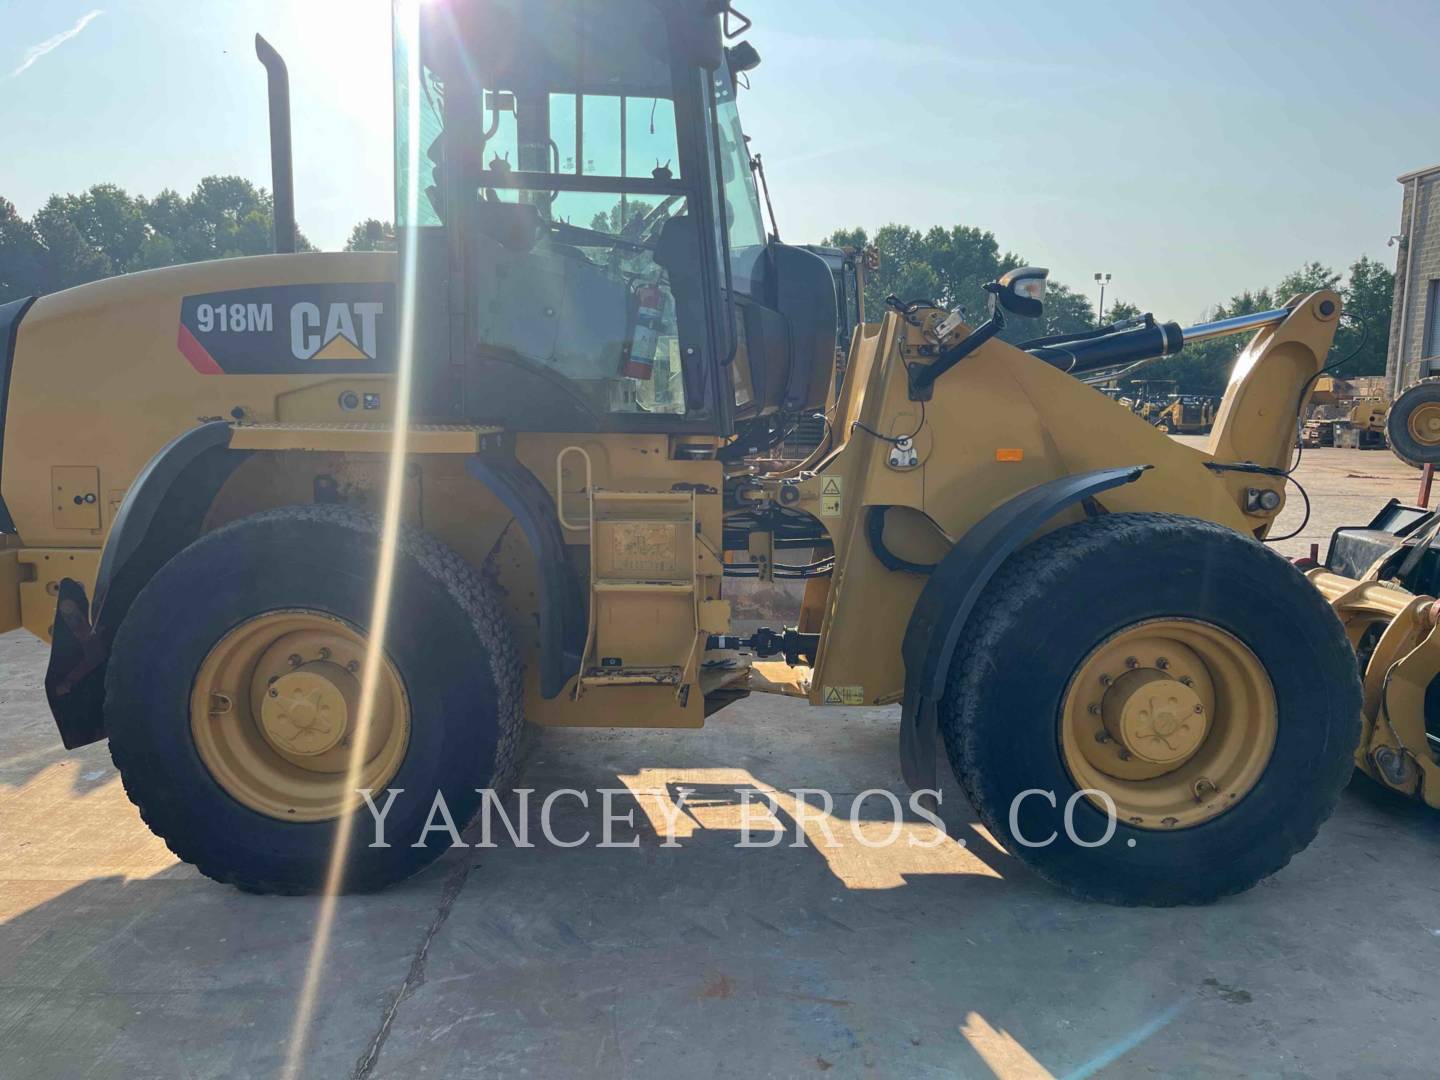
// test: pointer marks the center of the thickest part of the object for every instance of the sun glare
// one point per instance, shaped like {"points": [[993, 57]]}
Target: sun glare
{"points": [[384, 582]]}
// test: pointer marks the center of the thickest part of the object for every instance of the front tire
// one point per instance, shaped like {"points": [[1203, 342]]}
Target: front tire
{"points": [[232, 698], [1173, 668]]}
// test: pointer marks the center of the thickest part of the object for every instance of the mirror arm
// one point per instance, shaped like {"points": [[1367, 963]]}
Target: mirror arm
{"points": [[922, 376]]}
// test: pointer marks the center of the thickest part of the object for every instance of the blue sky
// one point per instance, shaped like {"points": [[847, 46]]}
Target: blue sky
{"points": [[1191, 149]]}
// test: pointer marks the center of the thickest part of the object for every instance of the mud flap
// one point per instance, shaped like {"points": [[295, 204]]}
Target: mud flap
{"points": [[75, 679]]}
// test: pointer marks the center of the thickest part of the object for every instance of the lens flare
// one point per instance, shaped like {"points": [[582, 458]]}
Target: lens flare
{"points": [[384, 577]]}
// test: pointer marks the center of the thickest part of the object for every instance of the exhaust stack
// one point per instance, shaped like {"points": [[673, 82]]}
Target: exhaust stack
{"points": [[282, 168]]}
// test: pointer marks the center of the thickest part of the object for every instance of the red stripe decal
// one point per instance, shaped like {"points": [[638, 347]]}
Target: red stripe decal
{"points": [[199, 356]]}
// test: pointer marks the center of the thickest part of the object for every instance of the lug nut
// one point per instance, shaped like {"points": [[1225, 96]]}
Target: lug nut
{"points": [[1185, 680], [353, 666], [1102, 736], [1105, 680], [1131, 662], [1199, 708], [1163, 664], [274, 692], [296, 660], [1125, 755], [1093, 710], [324, 654]]}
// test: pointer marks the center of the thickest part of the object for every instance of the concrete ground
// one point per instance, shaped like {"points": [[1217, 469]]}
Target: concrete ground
{"points": [[704, 960]]}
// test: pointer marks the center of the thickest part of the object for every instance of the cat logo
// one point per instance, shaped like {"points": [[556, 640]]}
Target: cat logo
{"points": [[346, 332], [291, 330]]}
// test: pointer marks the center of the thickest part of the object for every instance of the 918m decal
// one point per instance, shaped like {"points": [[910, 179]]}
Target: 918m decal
{"points": [[291, 329]]}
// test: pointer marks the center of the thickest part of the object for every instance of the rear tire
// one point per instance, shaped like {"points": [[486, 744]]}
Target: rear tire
{"points": [[1047, 612], [448, 642]]}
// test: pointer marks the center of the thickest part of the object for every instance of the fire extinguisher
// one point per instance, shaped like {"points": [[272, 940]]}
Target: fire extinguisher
{"points": [[649, 321]]}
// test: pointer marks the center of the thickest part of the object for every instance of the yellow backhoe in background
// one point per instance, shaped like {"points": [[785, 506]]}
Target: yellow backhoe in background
{"points": [[306, 524]]}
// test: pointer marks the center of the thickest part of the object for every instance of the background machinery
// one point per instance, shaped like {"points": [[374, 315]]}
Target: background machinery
{"points": [[1156, 401], [305, 525], [1413, 424], [1349, 413], [1186, 414]]}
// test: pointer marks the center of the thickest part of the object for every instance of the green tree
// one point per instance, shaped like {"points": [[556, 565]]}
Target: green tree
{"points": [[371, 235], [1369, 301], [20, 254], [620, 215], [107, 219], [74, 238], [67, 259], [1121, 310], [1311, 277], [951, 267]]}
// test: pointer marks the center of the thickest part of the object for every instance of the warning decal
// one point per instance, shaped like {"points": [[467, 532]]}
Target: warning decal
{"points": [[844, 695], [832, 501]]}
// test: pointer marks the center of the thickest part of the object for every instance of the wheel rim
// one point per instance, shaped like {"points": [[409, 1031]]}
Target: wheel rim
{"points": [[1424, 423], [1174, 719], [273, 712]]}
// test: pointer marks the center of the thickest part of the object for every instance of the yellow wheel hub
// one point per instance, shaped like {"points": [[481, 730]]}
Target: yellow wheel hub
{"points": [[1173, 719], [1158, 719], [1424, 423], [275, 716], [309, 711]]}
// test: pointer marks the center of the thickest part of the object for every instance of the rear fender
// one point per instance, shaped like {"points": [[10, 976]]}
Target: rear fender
{"points": [[163, 513], [10, 316], [561, 614]]}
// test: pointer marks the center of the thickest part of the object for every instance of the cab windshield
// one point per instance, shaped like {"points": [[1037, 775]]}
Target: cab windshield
{"points": [[551, 135], [740, 194]]}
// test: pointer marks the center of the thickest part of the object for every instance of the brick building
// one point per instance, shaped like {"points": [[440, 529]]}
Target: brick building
{"points": [[1415, 323]]}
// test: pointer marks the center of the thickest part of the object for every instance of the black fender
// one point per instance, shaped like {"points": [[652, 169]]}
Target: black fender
{"points": [[562, 622], [161, 514], [949, 597], [10, 316]]}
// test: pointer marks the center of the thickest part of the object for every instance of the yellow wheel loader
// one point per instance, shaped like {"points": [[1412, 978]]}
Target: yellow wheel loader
{"points": [[1186, 414], [312, 530]]}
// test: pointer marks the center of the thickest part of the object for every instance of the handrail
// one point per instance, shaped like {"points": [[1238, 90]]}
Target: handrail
{"points": [[560, 485]]}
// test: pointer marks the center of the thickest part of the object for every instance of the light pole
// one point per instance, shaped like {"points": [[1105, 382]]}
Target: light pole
{"points": [[1102, 280]]}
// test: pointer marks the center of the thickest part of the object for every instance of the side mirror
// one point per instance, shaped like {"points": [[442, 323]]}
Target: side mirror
{"points": [[1020, 292], [742, 58]]}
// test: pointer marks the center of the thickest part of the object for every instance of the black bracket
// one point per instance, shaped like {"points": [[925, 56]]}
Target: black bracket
{"points": [[923, 376]]}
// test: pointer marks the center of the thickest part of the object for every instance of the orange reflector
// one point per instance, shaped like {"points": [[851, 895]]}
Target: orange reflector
{"points": [[1009, 455]]}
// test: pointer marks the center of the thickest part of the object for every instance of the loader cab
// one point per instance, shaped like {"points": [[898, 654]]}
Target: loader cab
{"points": [[579, 225]]}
